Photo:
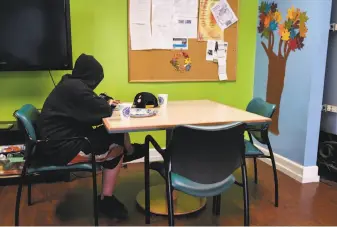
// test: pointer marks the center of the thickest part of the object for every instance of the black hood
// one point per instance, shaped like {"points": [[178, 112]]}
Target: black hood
{"points": [[89, 70]]}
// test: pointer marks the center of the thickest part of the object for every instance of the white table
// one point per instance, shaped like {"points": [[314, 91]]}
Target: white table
{"points": [[196, 112]]}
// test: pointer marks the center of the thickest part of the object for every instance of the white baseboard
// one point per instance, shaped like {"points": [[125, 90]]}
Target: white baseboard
{"points": [[303, 174]]}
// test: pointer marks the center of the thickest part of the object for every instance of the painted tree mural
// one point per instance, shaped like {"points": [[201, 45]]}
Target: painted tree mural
{"points": [[292, 32]]}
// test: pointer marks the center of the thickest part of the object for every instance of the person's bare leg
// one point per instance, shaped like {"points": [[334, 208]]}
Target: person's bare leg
{"points": [[127, 143], [110, 175], [110, 179]]}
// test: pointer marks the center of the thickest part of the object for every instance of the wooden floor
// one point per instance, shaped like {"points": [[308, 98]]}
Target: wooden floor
{"points": [[71, 203]]}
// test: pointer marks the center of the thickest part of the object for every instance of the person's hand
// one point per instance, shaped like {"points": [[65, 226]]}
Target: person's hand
{"points": [[114, 102]]}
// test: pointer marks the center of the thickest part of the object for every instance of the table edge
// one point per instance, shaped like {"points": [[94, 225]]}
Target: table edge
{"points": [[167, 126]]}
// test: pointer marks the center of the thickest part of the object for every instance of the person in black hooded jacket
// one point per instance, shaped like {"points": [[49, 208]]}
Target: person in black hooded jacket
{"points": [[71, 110]]}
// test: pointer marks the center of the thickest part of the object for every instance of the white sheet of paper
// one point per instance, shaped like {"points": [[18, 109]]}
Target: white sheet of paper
{"points": [[185, 8], [140, 36], [221, 45], [162, 37], [221, 53], [223, 49], [222, 72], [226, 50], [210, 50], [221, 61], [185, 27], [140, 11], [162, 11], [180, 43], [223, 77], [223, 14]]}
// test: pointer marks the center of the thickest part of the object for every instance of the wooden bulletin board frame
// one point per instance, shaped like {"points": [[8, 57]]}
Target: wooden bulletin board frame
{"points": [[154, 65]]}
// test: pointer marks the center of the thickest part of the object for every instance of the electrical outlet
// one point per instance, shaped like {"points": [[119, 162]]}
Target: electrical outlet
{"points": [[329, 108], [333, 27], [333, 109]]}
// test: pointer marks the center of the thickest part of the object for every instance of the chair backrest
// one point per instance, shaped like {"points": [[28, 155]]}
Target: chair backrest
{"points": [[27, 117], [262, 108], [207, 154]]}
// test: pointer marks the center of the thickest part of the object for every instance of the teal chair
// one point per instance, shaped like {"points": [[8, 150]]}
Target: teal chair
{"points": [[200, 161], [27, 118], [259, 131]]}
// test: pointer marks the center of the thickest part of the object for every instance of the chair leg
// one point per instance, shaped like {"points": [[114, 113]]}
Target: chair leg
{"points": [[17, 204], [169, 199], [147, 188], [214, 205], [245, 196], [94, 190], [275, 174], [255, 170], [19, 193], [29, 194], [218, 205]]}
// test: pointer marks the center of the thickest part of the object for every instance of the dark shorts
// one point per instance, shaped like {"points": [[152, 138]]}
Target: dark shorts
{"points": [[100, 141]]}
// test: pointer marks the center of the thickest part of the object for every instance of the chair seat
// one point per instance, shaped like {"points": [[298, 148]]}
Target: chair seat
{"points": [[252, 150], [74, 167], [200, 190]]}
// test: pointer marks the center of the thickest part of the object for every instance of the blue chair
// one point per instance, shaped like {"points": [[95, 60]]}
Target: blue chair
{"points": [[27, 118], [200, 161], [260, 133]]}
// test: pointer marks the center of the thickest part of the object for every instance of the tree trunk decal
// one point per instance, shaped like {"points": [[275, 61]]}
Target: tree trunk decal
{"points": [[292, 33]]}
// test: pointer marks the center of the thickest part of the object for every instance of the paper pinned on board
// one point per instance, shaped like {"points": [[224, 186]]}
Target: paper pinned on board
{"points": [[222, 72], [220, 50], [185, 27], [207, 26], [162, 37], [184, 20], [216, 48], [162, 11], [140, 11], [185, 8], [154, 24], [222, 60], [210, 49], [140, 26], [162, 32], [180, 43], [140, 36], [217, 52], [223, 14]]}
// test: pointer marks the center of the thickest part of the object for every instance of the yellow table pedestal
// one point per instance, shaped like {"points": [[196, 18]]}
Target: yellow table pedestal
{"points": [[182, 203]]}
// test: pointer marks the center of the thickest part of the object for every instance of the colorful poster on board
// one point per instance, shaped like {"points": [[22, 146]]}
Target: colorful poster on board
{"points": [[207, 26]]}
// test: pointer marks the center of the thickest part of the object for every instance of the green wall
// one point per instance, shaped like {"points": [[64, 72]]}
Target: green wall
{"points": [[99, 27]]}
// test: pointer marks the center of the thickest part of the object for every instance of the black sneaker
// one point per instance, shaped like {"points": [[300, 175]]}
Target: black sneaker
{"points": [[139, 151], [112, 207]]}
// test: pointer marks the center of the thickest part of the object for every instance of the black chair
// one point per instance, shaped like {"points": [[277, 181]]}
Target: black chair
{"points": [[200, 161], [260, 132], [27, 117]]}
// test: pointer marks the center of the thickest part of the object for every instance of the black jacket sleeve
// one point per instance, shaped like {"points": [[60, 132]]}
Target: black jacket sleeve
{"points": [[87, 106]]}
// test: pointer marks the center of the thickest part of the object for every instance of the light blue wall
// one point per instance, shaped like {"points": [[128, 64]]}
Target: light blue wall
{"points": [[300, 107]]}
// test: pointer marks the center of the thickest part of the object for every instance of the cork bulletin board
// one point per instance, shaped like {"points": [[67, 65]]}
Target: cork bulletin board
{"points": [[155, 66]]}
